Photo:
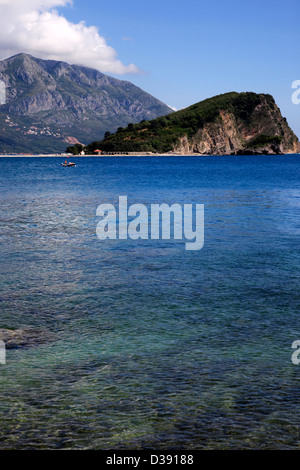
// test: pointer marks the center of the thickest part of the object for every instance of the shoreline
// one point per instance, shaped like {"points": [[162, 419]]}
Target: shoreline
{"points": [[102, 156], [122, 155]]}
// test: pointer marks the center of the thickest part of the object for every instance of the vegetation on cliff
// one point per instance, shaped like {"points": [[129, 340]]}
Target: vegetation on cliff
{"points": [[228, 123]]}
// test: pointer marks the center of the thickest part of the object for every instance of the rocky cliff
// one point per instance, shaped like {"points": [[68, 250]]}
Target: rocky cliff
{"points": [[262, 130], [53, 102], [229, 124]]}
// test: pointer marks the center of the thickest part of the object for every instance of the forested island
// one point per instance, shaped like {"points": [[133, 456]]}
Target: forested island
{"points": [[227, 124]]}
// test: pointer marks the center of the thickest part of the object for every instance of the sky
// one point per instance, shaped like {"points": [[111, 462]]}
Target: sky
{"points": [[180, 51]]}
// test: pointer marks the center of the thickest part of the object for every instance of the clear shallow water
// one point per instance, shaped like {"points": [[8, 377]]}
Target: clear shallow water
{"points": [[155, 347]]}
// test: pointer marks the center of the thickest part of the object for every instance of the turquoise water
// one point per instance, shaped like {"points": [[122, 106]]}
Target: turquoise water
{"points": [[155, 347]]}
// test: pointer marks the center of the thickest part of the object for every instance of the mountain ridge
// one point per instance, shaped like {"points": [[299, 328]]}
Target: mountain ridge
{"points": [[60, 101]]}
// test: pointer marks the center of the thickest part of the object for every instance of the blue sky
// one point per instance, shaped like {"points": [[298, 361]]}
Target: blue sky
{"points": [[180, 51], [193, 49]]}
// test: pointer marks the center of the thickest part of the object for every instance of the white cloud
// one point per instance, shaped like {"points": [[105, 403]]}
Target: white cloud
{"points": [[36, 28]]}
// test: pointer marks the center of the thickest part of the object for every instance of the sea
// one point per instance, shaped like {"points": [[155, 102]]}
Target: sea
{"points": [[151, 346]]}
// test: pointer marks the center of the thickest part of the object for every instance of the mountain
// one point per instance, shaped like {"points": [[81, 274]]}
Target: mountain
{"points": [[228, 124], [51, 103]]}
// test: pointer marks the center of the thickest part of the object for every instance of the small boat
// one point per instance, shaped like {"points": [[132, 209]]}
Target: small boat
{"points": [[68, 164]]}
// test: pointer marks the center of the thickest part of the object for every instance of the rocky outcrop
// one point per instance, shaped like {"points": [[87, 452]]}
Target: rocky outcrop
{"points": [[228, 124], [262, 131], [19, 338]]}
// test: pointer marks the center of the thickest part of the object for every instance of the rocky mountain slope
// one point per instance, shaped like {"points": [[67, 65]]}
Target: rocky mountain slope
{"points": [[51, 103], [229, 124]]}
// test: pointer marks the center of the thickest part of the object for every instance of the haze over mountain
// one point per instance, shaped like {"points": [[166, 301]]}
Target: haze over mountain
{"points": [[51, 103]]}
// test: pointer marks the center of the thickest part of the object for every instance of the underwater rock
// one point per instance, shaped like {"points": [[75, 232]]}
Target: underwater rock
{"points": [[28, 337]]}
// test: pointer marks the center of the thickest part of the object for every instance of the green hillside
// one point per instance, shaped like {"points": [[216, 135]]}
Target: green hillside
{"points": [[228, 123], [161, 134]]}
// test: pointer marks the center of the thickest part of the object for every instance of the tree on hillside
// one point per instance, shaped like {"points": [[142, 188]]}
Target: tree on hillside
{"points": [[75, 149]]}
